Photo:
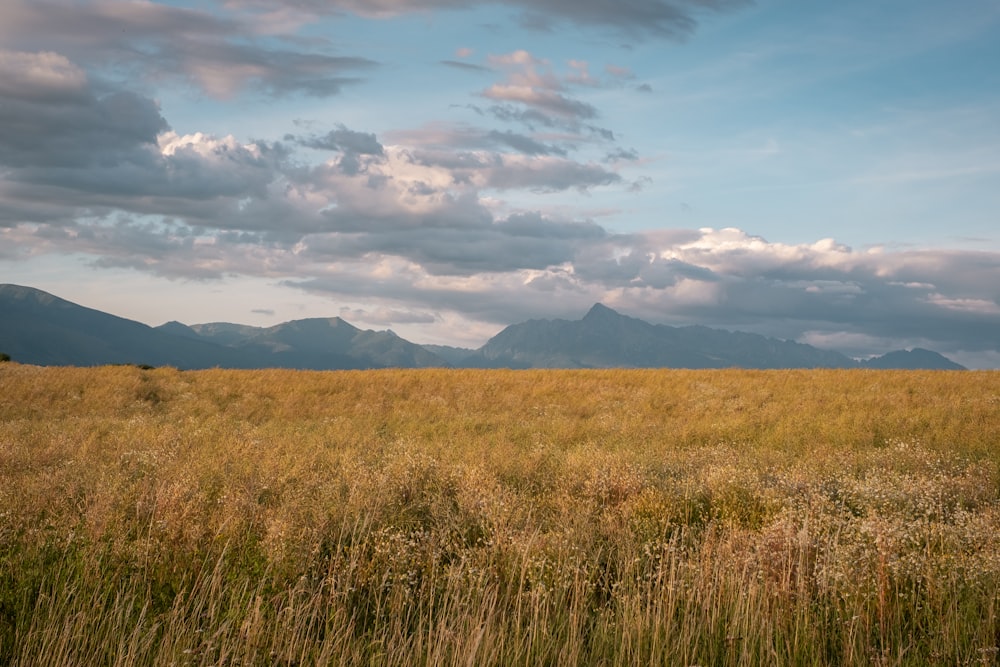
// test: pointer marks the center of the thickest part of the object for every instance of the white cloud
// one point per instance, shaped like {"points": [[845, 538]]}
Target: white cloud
{"points": [[205, 146], [386, 316], [978, 306]]}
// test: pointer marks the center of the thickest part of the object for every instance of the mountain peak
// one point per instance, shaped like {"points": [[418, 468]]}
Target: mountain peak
{"points": [[601, 312], [915, 358]]}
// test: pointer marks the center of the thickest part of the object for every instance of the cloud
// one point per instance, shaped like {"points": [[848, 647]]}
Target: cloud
{"points": [[622, 155], [545, 174], [818, 293], [353, 145], [828, 287], [672, 19], [40, 76], [468, 67], [581, 74], [656, 18], [51, 116], [156, 42], [533, 94], [532, 82], [386, 316], [223, 70], [541, 100], [136, 193], [460, 137], [440, 135], [73, 150], [619, 72], [344, 139], [523, 144]]}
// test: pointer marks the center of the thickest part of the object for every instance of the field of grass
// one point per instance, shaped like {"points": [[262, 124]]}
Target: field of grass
{"points": [[436, 517]]}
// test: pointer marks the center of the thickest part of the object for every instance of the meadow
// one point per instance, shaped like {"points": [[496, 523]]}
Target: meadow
{"points": [[471, 517]]}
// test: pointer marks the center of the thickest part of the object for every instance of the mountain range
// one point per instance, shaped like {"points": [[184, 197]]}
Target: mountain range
{"points": [[39, 328]]}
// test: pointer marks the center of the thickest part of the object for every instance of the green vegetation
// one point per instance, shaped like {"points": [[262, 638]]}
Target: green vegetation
{"points": [[4, 357], [439, 517]]}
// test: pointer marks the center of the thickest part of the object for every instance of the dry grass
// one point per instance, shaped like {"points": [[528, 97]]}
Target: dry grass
{"points": [[157, 517]]}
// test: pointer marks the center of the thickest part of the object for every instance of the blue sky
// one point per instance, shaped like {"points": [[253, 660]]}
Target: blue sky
{"points": [[823, 172]]}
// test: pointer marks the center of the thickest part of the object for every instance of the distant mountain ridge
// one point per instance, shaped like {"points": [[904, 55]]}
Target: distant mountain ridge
{"points": [[320, 343], [39, 328], [605, 338], [916, 358]]}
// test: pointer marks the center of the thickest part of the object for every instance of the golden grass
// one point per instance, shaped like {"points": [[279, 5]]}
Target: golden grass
{"points": [[472, 517]]}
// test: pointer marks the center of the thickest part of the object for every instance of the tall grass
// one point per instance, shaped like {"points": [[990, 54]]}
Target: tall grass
{"points": [[157, 517]]}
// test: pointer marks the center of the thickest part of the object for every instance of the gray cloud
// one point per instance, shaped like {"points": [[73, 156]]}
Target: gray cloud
{"points": [[658, 18], [452, 252], [726, 279], [155, 42], [50, 117], [523, 144], [386, 316], [103, 155], [532, 85], [468, 67], [70, 148], [542, 173], [550, 176], [543, 101], [223, 69], [534, 119], [622, 155], [671, 19], [348, 141], [352, 144], [461, 136]]}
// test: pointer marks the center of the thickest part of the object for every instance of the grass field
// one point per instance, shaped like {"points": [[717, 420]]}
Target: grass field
{"points": [[437, 517]]}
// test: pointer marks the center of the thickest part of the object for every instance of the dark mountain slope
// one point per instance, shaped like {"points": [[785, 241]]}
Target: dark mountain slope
{"points": [[605, 338], [319, 343], [39, 328], [914, 359]]}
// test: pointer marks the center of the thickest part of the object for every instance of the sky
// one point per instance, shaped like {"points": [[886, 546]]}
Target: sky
{"points": [[821, 172]]}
